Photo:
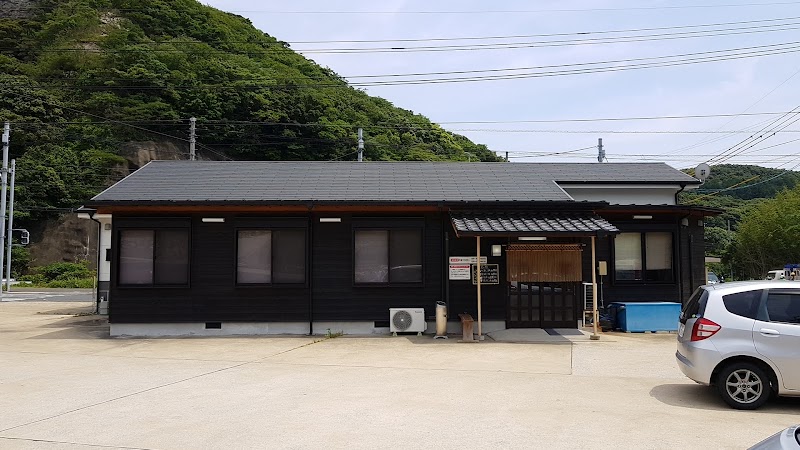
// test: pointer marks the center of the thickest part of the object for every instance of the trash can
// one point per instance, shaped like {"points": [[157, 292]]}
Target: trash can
{"points": [[441, 320]]}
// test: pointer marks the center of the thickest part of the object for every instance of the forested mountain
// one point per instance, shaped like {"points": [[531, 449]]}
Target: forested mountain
{"points": [[80, 79], [747, 194]]}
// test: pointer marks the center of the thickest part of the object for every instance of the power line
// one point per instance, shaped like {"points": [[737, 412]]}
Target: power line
{"points": [[262, 40], [527, 36], [766, 132], [450, 47], [267, 46], [121, 123], [215, 122], [659, 62], [435, 12]]}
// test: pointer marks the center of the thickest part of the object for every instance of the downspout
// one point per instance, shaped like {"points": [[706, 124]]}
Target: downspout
{"points": [[310, 273], [683, 186], [97, 287], [680, 259], [447, 269], [691, 261], [680, 248]]}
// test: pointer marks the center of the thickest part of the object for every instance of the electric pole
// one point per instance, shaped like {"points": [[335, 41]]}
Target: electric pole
{"points": [[10, 225], [360, 145], [192, 139], [3, 179], [601, 154]]}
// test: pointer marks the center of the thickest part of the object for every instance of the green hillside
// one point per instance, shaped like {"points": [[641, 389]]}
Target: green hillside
{"points": [[79, 78], [745, 192]]}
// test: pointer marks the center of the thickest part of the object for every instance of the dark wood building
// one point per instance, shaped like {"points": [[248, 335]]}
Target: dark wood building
{"points": [[306, 247]]}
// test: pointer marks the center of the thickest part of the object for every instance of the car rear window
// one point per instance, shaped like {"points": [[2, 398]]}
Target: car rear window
{"points": [[783, 306], [696, 306], [743, 304]]}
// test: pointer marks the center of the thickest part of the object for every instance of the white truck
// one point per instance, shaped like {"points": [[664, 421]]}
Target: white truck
{"points": [[789, 272]]}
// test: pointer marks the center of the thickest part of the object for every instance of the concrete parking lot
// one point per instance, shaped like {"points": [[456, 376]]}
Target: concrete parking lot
{"points": [[64, 384]]}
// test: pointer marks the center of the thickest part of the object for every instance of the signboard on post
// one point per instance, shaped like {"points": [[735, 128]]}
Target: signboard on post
{"points": [[490, 274], [459, 272], [467, 260]]}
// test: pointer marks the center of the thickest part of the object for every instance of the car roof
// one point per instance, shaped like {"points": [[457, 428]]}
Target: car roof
{"points": [[756, 284]]}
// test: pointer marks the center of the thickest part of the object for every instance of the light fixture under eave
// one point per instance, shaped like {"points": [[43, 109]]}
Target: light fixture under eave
{"points": [[330, 219], [643, 217], [532, 238], [213, 219], [497, 250]]}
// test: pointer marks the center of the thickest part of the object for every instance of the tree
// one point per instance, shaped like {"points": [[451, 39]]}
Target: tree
{"points": [[768, 236]]}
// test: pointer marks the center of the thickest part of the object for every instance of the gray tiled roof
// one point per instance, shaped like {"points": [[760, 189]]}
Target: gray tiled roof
{"points": [[265, 182], [530, 222]]}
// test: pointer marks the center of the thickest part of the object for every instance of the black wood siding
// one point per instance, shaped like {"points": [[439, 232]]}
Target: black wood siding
{"points": [[213, 295], [463, 294], [337, 298], [688, 263]]}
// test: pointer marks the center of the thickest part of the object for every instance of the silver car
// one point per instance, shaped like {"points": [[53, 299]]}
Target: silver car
{"points": [[788, 439], [743, 338]]}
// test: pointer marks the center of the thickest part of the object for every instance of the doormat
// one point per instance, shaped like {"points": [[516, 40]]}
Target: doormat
{"points": [[563, 332]]}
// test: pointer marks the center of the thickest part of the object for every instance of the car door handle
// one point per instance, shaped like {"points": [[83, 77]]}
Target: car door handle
{"points": [[770, 332]]}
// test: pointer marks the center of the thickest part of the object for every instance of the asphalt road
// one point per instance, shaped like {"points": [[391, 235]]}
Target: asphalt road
{"points": [[48, 295], [64, 384]]}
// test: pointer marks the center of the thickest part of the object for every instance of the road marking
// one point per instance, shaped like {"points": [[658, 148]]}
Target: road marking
{"points": [[30, 296]]}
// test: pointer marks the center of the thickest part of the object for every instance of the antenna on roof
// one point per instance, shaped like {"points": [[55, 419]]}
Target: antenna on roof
{"points": [[360, 145], [601, 153]]}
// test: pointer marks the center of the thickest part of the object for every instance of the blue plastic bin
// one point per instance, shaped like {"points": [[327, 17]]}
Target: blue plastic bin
{"points": [[638, 317]]}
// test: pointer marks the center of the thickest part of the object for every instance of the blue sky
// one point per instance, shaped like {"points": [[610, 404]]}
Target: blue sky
{"points": [[744, 85]]}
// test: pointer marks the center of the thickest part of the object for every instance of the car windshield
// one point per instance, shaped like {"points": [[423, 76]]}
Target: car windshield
{"points": [[712, 278]]}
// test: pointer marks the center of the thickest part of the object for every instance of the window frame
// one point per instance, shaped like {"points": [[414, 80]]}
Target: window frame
{"points": [[272, 230], [643, 239], [389, 229], [117, 247]]}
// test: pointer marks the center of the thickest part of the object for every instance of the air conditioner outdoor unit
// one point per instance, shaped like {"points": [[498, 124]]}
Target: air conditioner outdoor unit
{"points": [[407, 320]]}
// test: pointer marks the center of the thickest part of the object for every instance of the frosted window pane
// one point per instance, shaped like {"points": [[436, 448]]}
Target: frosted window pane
{"points": [[628, 256], [406, 256], [658, 248], [290, 256], [254, 260], [136, 257], [172, 257], [372, 256]]}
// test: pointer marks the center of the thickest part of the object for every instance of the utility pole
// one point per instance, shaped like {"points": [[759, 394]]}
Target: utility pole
{"points": [[601, 154], [192, 139], [10, 225], [3, 179], [360, 145]]}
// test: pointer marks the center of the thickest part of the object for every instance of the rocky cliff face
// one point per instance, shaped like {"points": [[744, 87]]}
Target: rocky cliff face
{"points": [[17, 9], [140, 153], [64, 239], [67, 238]]}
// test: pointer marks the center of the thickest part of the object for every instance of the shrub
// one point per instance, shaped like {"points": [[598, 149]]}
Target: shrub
{"points": [[63, 271], [72, 283]]}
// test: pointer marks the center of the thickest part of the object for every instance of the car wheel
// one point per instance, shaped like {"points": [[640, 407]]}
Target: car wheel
{"points": [[744, 386]]}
